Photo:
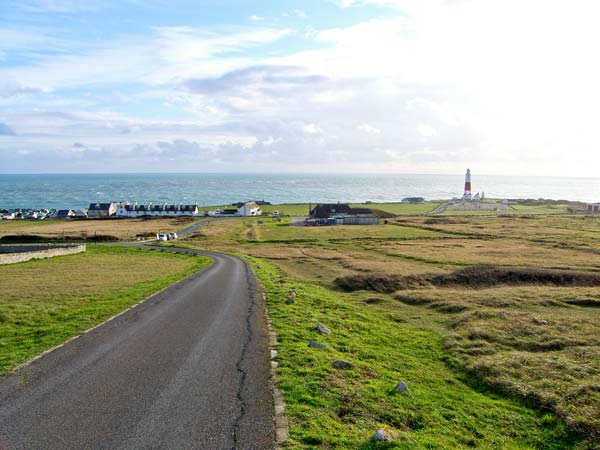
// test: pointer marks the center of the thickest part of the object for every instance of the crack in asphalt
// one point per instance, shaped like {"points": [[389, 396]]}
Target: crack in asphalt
{"points": [[251, 282]]}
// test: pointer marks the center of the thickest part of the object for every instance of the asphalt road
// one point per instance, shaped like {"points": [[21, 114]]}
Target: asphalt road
{"points": [[186, 369]]}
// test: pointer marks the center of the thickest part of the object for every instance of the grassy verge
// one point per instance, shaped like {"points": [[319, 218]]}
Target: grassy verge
{"points": [[45, 302], [527, 330], [336, 408]]}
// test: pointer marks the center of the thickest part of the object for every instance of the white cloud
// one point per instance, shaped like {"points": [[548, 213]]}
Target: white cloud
{"points": [[461, 80], [426, 130], [311, 128], [369, 129]]}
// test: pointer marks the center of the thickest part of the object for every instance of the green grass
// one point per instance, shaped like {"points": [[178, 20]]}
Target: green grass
{"points": [[301, 209], [45, 302], [537, 344], [400, 208], [332, 408], [279, 232]]}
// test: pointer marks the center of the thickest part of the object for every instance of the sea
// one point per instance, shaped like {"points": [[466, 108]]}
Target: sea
{"points": [[79, 190]]}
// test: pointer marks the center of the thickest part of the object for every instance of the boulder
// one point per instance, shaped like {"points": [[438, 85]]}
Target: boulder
{"points": [[315, 344], [402, 387], [341, 364], [323, 329], [381, 435]]}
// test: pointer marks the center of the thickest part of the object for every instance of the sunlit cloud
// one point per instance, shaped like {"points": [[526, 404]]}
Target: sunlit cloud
{"points": [[407, 86]]}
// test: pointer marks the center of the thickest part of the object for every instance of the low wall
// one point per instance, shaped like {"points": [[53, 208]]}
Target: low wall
{"points": [[10, 254]]}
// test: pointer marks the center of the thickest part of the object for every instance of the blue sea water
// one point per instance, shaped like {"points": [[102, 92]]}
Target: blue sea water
{"points": [[79, 190]]}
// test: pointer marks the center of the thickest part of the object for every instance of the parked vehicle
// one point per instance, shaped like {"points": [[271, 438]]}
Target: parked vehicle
{"points": [[172, 236], [162, 237]]}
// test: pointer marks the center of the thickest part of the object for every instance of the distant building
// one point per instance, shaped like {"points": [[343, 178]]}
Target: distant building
{"points": [[249, 209], [593, 208], [81, 213], [125, 209], [102, 210], [341, 214], [327, 210], [65, 214], [413, 200]]}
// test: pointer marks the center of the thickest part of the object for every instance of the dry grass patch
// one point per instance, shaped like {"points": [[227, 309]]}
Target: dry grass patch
{"points": [[549, 357], [125, 229], [497, 251]]}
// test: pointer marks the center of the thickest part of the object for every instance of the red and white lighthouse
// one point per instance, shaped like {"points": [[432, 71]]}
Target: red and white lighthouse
{"points": [[467, 194]]}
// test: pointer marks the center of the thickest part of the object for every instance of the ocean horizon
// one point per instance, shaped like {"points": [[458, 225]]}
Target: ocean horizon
{"points": [[208, 189]]}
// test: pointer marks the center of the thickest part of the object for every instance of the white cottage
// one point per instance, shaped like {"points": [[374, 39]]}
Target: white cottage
{"points": [[249, 209]]}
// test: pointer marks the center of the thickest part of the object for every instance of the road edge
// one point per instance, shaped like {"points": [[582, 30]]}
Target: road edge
{"points": [[281, 420], [72, 338]]}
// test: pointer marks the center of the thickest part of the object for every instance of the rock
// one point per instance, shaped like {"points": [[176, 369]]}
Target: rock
{"points": [[315, 344], [402, 387], [381, 435], [323, 329], [539, 321], [341, 364]]}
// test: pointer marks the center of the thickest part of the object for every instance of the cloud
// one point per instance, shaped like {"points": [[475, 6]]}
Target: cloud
{"points": [[426, 130], [61, 6], [219, 93], [311, 128], [5, 130], [369, 129], [13, 89]]}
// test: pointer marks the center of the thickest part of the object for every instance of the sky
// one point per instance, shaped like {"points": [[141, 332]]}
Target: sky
{"points": [[315, 86]]}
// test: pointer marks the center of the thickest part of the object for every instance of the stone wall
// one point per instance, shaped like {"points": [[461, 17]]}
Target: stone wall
{"points": [[10, 254]]}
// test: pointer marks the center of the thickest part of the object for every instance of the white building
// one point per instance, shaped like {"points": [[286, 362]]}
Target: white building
{"points": [[163, 210], [249, 209]]}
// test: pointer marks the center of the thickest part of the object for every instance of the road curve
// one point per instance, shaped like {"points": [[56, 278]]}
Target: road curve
{"points": [[186, 369]]}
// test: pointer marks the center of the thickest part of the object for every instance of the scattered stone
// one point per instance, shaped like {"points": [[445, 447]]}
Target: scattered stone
{"points": [[402, 387], [341, 364], [539, 321], [323, 329], [381, 435], [315, 344]]}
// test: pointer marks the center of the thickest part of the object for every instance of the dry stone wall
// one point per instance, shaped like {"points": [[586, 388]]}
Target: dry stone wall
{"points": [[10, 254]]}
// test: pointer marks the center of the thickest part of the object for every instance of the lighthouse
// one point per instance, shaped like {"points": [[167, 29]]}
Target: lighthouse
{"points": [[467, 194]]}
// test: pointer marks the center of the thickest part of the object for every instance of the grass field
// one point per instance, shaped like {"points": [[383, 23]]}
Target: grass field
{"points": [[497, 365], [302, 209], [124, 229], [44, 302]]}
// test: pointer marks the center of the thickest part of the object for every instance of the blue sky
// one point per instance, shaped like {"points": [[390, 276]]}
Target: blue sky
{"points": [[407, 86]]}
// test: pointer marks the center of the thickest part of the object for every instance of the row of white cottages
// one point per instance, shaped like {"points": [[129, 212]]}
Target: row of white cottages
{"points": [[125, 209]]}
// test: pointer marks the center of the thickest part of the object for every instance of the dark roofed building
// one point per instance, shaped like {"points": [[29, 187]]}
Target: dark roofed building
{"points": [[65, 214], [101, 210], [326, 210], [343, 214]]}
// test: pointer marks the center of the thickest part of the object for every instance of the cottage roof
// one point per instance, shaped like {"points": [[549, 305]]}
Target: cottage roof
{"points": [[325, 210], [64, 212], [100, 206]]}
